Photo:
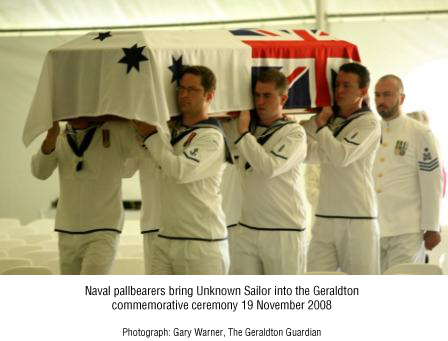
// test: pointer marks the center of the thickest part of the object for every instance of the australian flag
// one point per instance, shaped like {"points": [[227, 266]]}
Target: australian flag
{"points": [[309, 58]]}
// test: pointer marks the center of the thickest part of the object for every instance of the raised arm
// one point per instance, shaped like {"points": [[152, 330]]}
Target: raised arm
{"points": [[44, 162], [361, 137], [281, 157]]}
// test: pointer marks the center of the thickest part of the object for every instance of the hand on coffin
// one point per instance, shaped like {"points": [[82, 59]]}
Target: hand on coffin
{"points": [[144, 129], [432, 239], [323, 117], [243, 121], [233, 114], [49, 143], [314, 111], [287, 117]]}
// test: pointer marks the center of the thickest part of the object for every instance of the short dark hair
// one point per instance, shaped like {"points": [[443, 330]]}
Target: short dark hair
{"points": [[360, 70], [208, 78], [274, 76]]}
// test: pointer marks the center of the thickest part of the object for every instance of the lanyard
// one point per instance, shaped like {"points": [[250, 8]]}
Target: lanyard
{"points": [[79, 150]]}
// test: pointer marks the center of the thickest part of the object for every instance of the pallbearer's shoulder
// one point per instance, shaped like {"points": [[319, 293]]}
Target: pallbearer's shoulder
{"points": [[295, 126], [370, 118], [209, 131], [370, 115]]}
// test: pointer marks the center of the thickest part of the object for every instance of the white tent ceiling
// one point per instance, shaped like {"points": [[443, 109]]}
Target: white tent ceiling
{"points": [[25, 15]]}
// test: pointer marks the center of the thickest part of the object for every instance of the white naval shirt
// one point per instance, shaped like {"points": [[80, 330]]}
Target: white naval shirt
{"points": [[150, 183], [273, 193], [150, 188], [191, 178], [346, 182], [90, 199], [408, 178]]}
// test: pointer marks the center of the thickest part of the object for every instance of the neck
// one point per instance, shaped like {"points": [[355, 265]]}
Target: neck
{"points": [[189, 120], [270, 120], [348, 111], [80, 124], [393, 117]]}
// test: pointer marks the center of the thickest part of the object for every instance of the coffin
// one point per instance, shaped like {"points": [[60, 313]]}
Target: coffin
{"points": [[133, 74]]}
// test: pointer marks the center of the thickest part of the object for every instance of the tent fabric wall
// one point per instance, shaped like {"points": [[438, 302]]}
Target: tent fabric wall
{"points": [[388, 46], [21, 59], [22, 15], [50, 14]]}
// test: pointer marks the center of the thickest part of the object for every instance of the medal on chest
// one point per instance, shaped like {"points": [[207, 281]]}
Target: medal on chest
{"points": [[400, 148], [189, 139]]}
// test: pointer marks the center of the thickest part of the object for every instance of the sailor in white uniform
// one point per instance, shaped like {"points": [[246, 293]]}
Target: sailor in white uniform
{"points": [[231, 188], [90, 158], [151, 208], [408, 178], [345, 235], [193, 236], [269, 239]]}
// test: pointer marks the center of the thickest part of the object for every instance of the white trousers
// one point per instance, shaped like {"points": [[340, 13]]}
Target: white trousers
{"points": [[349, 245], [189, 257], [405, 248], [260, 252], [87, 254], [148, 249]]}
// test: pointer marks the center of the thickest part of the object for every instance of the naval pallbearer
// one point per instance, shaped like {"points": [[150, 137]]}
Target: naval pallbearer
{"points": [[269, 238], [344, 141]]}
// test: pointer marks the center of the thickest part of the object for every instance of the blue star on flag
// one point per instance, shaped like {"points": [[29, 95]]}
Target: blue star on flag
{"points": [[176, 68], [133, 57], [103, 35]]}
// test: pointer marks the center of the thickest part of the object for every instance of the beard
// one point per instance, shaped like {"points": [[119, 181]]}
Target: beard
{"points": [[388, 113]]}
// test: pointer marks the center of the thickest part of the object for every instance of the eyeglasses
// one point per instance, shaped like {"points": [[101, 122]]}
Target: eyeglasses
{"points": [[189, 89]]}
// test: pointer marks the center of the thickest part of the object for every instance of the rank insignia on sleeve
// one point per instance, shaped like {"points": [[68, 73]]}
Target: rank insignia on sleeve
{"points": [[400, 148], [189, 139], [106, 138], [427, 155]]}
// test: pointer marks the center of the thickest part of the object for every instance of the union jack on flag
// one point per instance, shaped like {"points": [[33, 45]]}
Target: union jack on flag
{"points": [[309, 58]]}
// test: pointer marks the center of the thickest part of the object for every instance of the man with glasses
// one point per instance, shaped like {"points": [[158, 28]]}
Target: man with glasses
{"points": [[193, 236]]}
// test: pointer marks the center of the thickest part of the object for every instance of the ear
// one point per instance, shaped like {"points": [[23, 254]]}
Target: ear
{"points": [[402, 97], [209, 96], [284, 98], [364, 91]]}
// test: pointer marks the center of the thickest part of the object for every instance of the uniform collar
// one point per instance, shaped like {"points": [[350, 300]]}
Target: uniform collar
{"points": [[75, 131], [395, 123]]}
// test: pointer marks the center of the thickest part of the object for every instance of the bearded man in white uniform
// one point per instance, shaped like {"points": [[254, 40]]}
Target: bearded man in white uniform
{"points": [[269, 239], [344, 140], [408, 178], [193, 236]]}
